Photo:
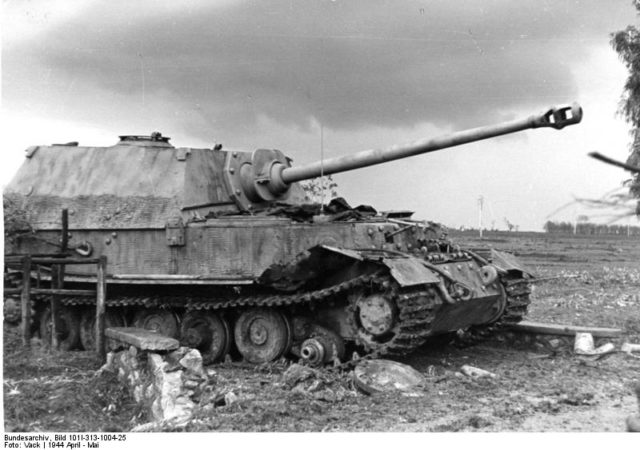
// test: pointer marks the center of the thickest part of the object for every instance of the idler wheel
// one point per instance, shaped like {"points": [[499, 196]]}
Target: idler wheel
{"points": [[376, 314], [88, 325], [68, 329], [161, 321], [262, 335], [208, 333]]}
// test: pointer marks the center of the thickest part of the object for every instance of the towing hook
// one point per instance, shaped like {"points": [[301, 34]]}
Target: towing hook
{"points": [[84, 248]]}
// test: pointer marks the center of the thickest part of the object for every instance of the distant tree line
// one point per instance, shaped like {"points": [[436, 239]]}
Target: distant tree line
{"points": [[590, 228]]}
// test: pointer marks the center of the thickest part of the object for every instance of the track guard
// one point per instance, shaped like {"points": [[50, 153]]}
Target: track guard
{"points": [[323, 259]]}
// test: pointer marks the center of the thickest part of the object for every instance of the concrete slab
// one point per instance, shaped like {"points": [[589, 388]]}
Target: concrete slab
{"points": [[564, 330], [142, 339]]}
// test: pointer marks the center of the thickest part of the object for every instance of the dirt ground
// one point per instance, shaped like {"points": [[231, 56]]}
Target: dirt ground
{"points": [[585, 280]]}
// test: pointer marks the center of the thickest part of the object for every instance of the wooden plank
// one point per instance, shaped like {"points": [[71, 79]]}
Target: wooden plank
{"points": [[155, 277], [26, 301], [12, 291], [78, 292], [101, 295], [65, 261], [64, 239], [564, 330]]}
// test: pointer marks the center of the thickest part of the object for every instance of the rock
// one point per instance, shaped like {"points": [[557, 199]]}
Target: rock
{"points": [[178, 354], [190, 384], [230, 398], [155, 362], [108, 365], [474, 372], [554, 343], [192, 361], [170, 401]]}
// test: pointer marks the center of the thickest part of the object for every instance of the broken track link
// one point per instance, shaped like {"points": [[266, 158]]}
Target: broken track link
{"points": [[518, 291], [416, 310]]}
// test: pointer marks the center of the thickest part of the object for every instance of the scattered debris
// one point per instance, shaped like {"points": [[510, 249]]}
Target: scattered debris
{"points": [[474, 372], [629, 348], [230, 398], [317, 384], [297, 373], [381, 375], [584, 346]]}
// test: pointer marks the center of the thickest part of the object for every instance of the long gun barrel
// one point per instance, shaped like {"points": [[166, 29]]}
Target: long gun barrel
{"points": [[558, 118], [269, 174]]}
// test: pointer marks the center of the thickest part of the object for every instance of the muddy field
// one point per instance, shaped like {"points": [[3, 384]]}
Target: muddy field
{"points": [[586, 280]]}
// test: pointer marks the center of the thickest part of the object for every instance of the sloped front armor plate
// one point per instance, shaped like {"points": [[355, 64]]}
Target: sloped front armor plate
{"points": [[507, 262]]}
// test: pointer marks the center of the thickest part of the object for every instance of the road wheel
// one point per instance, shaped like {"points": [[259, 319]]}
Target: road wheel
{"points": [[262, 335], [161, 321], [112, 318], [68, 330], [208, 333]]}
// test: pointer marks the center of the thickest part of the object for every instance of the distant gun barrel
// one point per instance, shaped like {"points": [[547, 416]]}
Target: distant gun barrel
{"points": [[557, 118], [268, 175]]}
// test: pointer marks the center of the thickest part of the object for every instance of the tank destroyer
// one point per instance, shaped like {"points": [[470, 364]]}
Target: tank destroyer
{"points": [[219, 249]]}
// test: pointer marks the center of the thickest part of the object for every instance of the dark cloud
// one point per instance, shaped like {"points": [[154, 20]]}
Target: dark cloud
{"points": [[348, 64]]}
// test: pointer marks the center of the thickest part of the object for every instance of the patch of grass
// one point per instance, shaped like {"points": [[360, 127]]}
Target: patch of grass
{"points": [[61, 391]]}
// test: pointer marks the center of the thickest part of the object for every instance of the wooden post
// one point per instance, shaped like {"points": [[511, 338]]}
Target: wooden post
{"points": [[64, 241], [26, 301], [101, 296], [57, 279], [56, 283]]}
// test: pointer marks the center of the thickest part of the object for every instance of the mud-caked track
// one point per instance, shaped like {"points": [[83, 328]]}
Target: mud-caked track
{"points": [[209, 324]]}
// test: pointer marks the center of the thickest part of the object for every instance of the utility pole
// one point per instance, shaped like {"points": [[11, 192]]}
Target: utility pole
{"points": [[321, 168], [480, 204]]}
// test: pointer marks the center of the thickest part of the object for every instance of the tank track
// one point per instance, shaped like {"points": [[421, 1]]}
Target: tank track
{"points": [[416, 308], [518, 291]]}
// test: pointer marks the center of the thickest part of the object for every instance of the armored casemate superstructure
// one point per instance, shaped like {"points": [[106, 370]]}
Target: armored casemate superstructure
{"points": [[219, 248]]}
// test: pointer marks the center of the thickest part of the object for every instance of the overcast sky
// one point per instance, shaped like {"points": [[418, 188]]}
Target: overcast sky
{"points": [[268, 74]]}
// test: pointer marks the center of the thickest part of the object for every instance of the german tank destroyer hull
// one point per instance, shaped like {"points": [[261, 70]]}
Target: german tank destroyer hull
{"points": [[219, 249]]}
